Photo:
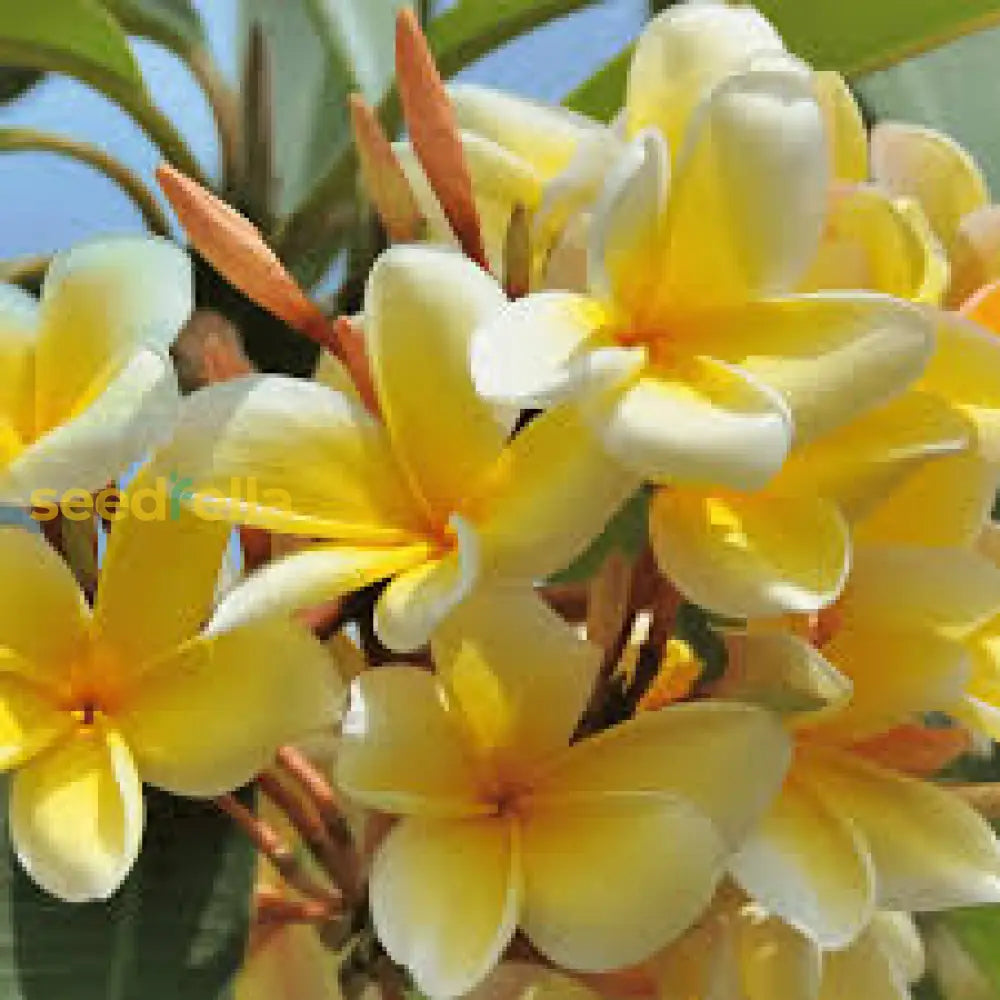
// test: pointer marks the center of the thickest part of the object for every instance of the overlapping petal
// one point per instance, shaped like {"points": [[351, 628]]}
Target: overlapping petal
{"points": [[832, 356], [209, 716], [504, 654], [445, 898], [675, 751], [722, 241], [751, 554], [317, 463], [76, 815], [930, 849], [421, 307], [646, 893], [809, 866], [100, 303], [19, 328], [403, 749]]}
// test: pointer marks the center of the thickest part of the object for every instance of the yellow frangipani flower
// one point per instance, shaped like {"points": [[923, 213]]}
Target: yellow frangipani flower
{"points": [[849, 834], [739, 953], [431, 496], [86, 387], [94, 703], [600, 851]]}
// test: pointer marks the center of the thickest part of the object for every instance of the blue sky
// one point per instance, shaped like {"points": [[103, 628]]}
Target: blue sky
{"points": [[49, 202]]}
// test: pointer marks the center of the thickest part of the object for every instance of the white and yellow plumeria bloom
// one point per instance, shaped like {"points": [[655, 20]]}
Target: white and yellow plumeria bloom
{"points": [[431, 496], [849, 834], [693, 358], [94, 703], [740, 953], [86, 387], [600, 851]]}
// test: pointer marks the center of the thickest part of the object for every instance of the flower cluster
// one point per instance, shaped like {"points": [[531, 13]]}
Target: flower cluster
{"points": [[710, 768]]}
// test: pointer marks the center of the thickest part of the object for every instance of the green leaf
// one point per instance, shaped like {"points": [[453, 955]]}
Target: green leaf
{"points": [[978, 931], [934, 90], [173, 23], [15, 81], [856, 36], [82, 39], [177, 928], [470, 29], [603, 94]]}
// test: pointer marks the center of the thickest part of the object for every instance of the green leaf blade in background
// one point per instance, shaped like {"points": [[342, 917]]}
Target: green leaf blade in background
{"points": [[177, 928], [81, 39], [602, 95], [857, 36], [15, 82], [175, 24]]}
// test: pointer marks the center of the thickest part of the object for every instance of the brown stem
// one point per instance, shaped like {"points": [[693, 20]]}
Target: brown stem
{"points": [[271, 907], [269, 843], [339, 863], [314, 783]]}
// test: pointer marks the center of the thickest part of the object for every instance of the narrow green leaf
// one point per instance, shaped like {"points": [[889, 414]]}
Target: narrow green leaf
{"points": [[470, 29], [177, 928], [603, 95], [173, 23], [978, 931], [15, 81], [82, 39], [856, 36], [17, 140]]}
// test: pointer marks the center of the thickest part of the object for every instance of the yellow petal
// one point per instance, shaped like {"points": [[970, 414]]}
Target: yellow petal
{"points": [[701, 422], [870, 242], [677, 751], [752, 554], [590, 908], [310, 577], [625, 254], [949, 591], [931, 851], [915, 162], [287, 962], [965, 370], [784, 673], [503, 654], [101, 302], [419, 599], [832, 356], [682, 55], [863, 969], [143, 609], [975, 254], [944, 503], [845, 127], [807, 865], [76, 815], [896, 675], [898, 937], [445, 899], [552, 491], [542, 135], [206, 719], [524, 356], [861, 463], [777, 961], [19, 327], [293, 456], [30, 717], [44, 618], [132, 413], [724, 243], [421, 306], [403, 750]]}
